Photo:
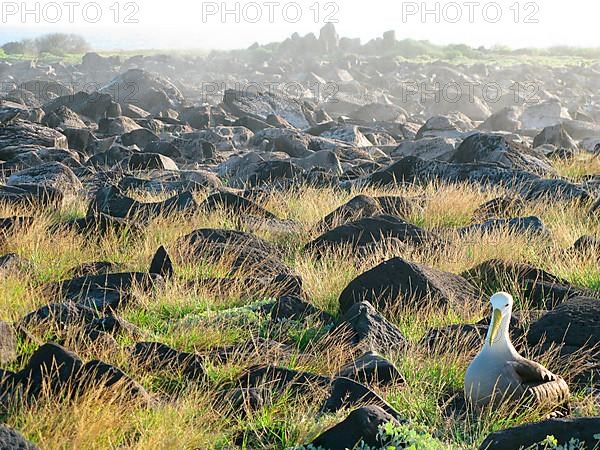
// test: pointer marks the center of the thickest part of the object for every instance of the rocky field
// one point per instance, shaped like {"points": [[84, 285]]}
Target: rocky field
{"points": [[293, 245]]}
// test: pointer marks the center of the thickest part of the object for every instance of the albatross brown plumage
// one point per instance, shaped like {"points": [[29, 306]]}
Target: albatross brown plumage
{"points": [[499, 374]]}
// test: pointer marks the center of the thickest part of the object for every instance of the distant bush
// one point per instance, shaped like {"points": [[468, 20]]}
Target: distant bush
{"points": [[16, 48], [60, 44], [57, 44]]}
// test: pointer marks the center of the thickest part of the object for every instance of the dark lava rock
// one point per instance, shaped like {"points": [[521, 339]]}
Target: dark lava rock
{"points": [[198, 239], [279, 379], [530, 186], [51, 364], [587, 244], [150, 161], [488, 148], [575, 323], [359, 207], [346, 393], [456, 337], [160, 357], [261, 105], [527, 225], [98, 225], [13, 263], [496, 274], [546, 296], [234, 204], [100, 374], [94, 268], [123, 282], [365, 327], [294, 308], [31, 196], [12, 224], [8, 343], [555, 135], [583, 429], [13, 440], [163, 148], [270, 172], [413, 284], [371, 231], [112, 202], [361, 425], [94, 106], [371, 368], [141, 137], [499, 207], [161, 264], [58, 317], [20, 133], [53, 175]]}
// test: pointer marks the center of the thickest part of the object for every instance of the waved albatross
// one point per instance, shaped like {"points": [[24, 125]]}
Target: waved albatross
{"points": [[499, 374]]}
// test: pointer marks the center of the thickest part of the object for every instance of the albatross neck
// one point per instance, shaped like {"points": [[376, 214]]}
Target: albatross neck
{"points": [[502, 343]]}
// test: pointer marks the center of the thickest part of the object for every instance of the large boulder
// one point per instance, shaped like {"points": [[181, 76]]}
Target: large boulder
{"points": [[543, 114], [19, 134], [488, 148], [94, 106], [63, 118], [147, 90], [555, 135], [398, 282], [440, 148], [53, 175], [261, 105]]}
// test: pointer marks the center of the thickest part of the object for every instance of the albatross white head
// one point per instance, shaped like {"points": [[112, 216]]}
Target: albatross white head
{"points": [[498, 332]]}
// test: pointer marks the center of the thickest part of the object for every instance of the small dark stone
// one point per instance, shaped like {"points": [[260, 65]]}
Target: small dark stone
{"points": [[161, 264], [293, 308], [372, 368], [584, 429], [347, 393], [94, 268], [58, 317], [369, 330], [50, 364], [362, 425], [372, 230], [8, 343], [278, 379], [587, 244], [98, 373], [157, 356], [13, 440], [527, 225], [234, 204]]}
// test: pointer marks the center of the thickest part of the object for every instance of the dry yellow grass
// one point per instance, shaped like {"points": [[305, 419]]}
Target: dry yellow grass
{"points": [[186, 415]]}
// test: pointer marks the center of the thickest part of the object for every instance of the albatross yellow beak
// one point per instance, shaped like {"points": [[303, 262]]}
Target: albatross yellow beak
{"points": [[495, 325]]}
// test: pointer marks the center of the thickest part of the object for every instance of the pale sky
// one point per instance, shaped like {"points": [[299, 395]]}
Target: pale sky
{"points": [[182, 23]]}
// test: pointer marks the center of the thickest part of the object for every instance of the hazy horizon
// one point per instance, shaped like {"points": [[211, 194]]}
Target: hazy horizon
{"points": [[203, 27]]}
